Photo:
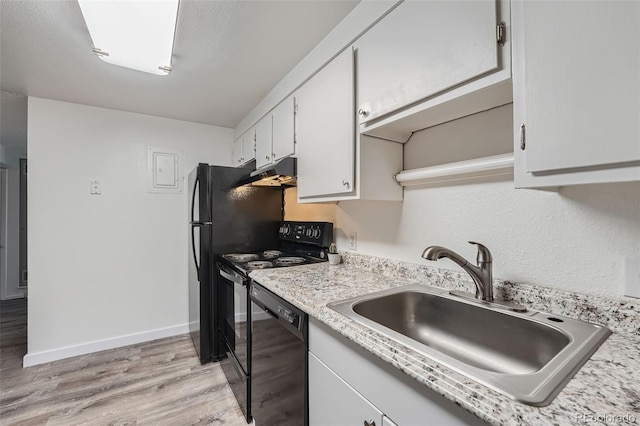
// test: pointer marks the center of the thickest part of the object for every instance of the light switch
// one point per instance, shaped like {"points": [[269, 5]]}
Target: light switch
{"points": [[353, 241], [95, 187]]}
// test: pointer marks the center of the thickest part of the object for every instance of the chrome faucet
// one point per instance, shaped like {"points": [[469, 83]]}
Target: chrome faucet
{"points": [[481, 274]]}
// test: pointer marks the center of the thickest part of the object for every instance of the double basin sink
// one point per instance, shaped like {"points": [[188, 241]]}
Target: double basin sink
{"points": [[528, 356]]}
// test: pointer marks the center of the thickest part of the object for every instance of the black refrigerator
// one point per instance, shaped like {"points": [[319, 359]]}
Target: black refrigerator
{"points": [[224, 219]]}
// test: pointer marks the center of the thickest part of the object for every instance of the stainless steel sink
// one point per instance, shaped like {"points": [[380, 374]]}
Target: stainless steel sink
{"points": [[528, 356]]}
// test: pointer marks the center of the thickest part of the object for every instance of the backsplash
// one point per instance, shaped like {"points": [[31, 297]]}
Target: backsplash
{"points": [[621, 315]]}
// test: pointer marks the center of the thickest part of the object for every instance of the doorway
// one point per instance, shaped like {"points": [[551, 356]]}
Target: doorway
{"points": [[22, 223], [11, 286]]}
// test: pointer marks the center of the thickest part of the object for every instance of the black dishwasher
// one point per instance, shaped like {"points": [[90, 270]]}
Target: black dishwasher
{"points": [[279, 391]]}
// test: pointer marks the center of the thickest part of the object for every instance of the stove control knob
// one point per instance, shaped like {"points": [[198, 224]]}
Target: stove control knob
{"points": [[316, 233]]}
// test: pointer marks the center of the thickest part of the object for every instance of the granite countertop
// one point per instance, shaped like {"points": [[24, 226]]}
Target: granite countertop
{"points": [[607, 385]]}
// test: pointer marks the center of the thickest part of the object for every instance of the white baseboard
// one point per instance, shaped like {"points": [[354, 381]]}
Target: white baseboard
{"points": [[44, 357]]}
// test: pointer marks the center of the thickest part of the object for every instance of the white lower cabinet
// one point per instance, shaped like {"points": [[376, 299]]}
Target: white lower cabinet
{"points": [[348, 386], [335, 403]]}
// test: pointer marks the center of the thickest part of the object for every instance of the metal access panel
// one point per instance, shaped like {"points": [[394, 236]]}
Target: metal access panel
{"points": [[165, 170]]}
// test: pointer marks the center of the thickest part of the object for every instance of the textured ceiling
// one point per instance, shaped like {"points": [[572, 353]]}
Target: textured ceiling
{"points": [[227, 56]]}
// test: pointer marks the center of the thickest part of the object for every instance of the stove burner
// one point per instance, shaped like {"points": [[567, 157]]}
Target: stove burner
{"points": [[270, 254], [259, 264], [286, 261], [241, 257]]}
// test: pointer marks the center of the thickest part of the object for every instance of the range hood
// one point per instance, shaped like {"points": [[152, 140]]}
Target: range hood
{"points": [[282, 173]]}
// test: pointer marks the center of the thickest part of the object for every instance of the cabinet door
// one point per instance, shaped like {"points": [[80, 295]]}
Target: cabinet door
{"points": [[422, 48], [236, 152], [386, 421], [264, 137], [332, 402], [284, 129], [326, 130], [577, 85], [248, 146]]}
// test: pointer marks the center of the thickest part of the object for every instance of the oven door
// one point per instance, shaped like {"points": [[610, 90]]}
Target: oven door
{"points": [[235, 332]]}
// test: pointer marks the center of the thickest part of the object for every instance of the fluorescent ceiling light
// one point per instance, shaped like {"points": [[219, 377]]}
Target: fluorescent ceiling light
{"points": [[135, 34]]}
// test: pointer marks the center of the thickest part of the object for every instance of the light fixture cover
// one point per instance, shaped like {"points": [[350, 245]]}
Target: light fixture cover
{"points": [[135, 34]]}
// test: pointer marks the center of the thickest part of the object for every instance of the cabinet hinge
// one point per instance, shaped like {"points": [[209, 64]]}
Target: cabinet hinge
{"points": [[501, 33], [523, 137]]}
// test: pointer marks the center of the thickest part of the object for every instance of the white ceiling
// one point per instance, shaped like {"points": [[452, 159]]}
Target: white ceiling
{"points": [[228, 54]]}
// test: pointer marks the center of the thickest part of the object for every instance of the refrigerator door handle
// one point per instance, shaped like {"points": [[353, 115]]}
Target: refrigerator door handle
{"points": [[195, 254], [195, 225], [193, 197]]}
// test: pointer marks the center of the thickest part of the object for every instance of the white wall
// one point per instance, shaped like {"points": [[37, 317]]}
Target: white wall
{"points": [[575, 239], [114, 265]]}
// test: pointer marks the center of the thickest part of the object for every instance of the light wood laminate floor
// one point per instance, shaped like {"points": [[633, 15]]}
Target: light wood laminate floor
{"points": [[154, 383]]}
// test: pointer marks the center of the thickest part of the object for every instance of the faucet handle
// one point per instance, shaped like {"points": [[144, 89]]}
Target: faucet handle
{"points": [[484, 255]]}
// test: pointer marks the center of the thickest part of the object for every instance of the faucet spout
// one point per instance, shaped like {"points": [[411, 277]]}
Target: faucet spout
{"points": [[481, 274]]}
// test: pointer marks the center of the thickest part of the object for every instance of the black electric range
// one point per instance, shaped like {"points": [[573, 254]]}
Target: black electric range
{"points": [[300, 243], [247, 262]]}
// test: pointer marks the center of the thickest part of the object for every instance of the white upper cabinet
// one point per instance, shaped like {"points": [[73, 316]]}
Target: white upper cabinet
{"points": [[576, 92], [249, 146], [275, 134], [326, 130], [422, 49], [264, 140], [284, 129], [236, 152], [243, 149]]}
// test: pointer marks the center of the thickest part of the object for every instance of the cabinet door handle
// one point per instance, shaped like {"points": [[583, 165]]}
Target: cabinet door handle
{"points": [[523, 137], [371, 422], [345, 183], [363, 112], [267, 157]]}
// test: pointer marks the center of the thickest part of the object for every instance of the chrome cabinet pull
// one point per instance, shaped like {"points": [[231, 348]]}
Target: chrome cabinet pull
{"points": [[371, 422]]}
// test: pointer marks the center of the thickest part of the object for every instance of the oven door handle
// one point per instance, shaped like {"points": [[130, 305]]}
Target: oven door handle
{"points": [[228, 275]]}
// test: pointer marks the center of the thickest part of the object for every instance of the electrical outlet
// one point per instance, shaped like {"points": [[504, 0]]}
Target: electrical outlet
{"points": [[95, 187], [353, 241], [632, 276]]}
